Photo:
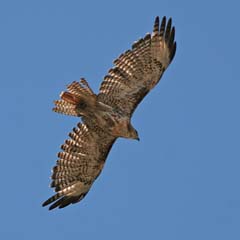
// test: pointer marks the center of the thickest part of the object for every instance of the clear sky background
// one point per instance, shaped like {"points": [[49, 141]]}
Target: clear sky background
{"points": [[182, 180]]}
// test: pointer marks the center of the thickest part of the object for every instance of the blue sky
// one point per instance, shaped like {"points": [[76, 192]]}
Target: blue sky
{"points": [[181, 181]]}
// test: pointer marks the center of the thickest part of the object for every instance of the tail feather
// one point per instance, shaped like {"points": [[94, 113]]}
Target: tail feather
{"points": [[87, 87], [78, 100], [70, 112], [81, 87], [70, 98], [64, 107]]}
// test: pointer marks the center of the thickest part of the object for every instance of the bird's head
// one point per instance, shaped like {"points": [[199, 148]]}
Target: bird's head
{"points": [[133, 132]]}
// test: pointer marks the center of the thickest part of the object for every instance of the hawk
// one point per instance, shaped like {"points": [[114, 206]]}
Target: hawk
{"points": [[107, 115]]}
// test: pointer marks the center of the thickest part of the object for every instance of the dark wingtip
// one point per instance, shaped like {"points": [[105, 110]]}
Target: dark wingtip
{"points": [[51, 199], [156, 25], [173, 51], [162, 26], [66, 200], [48, 201], [168, 30], [44, 204], [172, 36], [62, 201]]}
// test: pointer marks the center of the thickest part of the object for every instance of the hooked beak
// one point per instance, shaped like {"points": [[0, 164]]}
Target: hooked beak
{"points": [[138, 138]]}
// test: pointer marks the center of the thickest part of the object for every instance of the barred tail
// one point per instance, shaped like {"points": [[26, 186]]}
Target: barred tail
{"points": [[79, 100]]}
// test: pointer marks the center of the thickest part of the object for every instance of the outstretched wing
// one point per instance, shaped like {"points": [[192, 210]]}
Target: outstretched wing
{"points": [[79, 164], [138, 70]]}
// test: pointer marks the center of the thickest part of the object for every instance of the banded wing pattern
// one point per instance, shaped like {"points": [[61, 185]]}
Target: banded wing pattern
{"points": [[79, 164], [138, 70]]}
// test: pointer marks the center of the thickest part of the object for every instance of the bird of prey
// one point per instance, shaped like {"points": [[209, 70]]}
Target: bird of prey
{"points": [[107, 115]]}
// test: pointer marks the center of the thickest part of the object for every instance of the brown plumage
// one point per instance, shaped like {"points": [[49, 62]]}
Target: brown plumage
{"points": [[107, 116]]}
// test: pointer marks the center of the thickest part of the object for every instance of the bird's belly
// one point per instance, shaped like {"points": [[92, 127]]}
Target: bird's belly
{"points": [[113, 123]]}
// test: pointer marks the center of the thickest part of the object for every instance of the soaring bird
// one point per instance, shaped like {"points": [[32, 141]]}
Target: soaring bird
{"points": [[107, 115]]}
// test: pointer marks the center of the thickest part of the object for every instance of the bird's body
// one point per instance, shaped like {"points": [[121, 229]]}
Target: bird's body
{"points": [[111, 119], [107, 115]]}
